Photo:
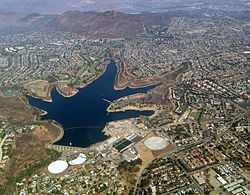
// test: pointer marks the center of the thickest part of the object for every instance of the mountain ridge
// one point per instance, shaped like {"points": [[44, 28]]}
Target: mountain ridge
{"points": [[109, 24]]}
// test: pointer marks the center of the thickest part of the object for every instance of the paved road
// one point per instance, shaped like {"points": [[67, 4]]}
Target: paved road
{"points": [[1, 144], [186, 147], [38, 185]]}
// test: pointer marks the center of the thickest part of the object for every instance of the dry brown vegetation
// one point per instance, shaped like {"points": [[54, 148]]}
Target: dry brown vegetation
{"points": [[129, 170], [160, 94], [14, 111], [110, 24], [29, 153], [30, 149], [124, 78]]}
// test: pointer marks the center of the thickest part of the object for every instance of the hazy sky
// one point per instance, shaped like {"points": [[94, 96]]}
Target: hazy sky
{"points": [[58, 6], [129, 6]]}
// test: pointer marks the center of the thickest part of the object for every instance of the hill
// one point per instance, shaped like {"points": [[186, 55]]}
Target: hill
{"points": [[109, 24]]}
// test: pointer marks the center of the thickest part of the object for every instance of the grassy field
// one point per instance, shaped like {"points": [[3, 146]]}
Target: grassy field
{"points": [[92, 68], [116, 43], [79, 73], [64, 83], [62, 76], [196, 115], [85, 78], [97, 62], [86, 58], [37, 87]]}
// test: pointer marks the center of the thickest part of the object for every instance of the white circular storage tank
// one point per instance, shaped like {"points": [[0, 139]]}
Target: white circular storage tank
{"points": [[57, 166], [156, 143], [79, 160]]}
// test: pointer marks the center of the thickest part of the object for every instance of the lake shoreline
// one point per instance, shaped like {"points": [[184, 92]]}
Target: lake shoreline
{"points": [[85, 114]]}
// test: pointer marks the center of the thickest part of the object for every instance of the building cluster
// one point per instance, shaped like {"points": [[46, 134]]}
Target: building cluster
{"points": [[120, 146], [201, 178], [131, 127], [200, 156], [239, 85], [165, 175], [49, 56], [183, 134], [205, 42], [93, 177], [235, 144], [213, 103], [230, 179], [199, 170], [211, 45]]}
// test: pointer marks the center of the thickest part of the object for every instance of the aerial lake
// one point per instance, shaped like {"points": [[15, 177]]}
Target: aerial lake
{"points": [[84, 115]]}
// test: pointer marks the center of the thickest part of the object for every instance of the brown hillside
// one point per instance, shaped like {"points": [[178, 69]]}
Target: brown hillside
{"points": [[110, 24]]}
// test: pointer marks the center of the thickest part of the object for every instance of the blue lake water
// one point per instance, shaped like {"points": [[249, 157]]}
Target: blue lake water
{"points": [[84, 115]]}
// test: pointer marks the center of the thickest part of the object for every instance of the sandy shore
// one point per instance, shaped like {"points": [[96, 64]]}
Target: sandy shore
{"points": [[143, 108], [133, 87], [1, 94], [59, 137], [42, 98], [73, 92]]}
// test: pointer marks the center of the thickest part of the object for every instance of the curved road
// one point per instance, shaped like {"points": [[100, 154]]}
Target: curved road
{"points": [[1, 144]]}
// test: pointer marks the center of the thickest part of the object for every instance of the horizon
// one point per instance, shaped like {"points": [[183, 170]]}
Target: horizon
{"points": [[128, 6]]}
